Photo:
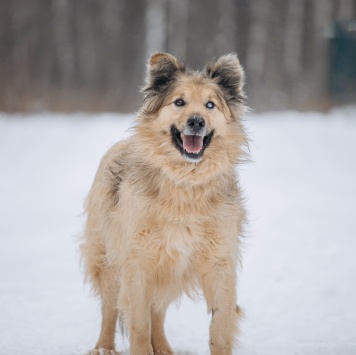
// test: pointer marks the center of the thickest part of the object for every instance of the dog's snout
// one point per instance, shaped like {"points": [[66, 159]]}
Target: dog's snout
{"points": [[196, 122]]}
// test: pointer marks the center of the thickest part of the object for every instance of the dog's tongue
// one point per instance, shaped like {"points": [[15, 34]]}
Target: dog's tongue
{"points": [[192, 144]]}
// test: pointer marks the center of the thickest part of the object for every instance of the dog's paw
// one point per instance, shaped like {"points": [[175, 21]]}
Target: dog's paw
{"points": [[162, 348], [163, 352], [102, 351]]}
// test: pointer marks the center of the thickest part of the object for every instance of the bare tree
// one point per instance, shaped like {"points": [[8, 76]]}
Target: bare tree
{"points": [[91, 55], [177, 27]]}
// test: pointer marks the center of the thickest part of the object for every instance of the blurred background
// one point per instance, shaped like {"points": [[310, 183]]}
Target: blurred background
{"points": [[297, 282], [90, 55]]}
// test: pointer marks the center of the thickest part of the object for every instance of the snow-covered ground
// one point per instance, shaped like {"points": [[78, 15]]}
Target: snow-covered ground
{"points": [[298, 278]]}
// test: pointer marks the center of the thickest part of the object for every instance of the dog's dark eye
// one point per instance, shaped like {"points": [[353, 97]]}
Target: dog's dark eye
{"points": [[179, 102], [210, 104]]}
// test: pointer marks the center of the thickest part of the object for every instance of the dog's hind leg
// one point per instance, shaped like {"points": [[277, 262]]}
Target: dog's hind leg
{"points": [[109, 289], [158, 338], [108, 327], [105, 283]]}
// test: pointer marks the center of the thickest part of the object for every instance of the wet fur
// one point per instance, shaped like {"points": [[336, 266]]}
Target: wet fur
{"points": [[158, 226]]}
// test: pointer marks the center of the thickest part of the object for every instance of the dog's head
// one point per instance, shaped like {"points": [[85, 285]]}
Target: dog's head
{"points": [[191, 116]]}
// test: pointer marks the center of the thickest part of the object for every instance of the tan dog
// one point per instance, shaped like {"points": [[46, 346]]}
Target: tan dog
{"points": [[165, 211]]}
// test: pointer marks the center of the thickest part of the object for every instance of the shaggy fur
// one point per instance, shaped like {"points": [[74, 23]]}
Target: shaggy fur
{"points": [[164, 218]]}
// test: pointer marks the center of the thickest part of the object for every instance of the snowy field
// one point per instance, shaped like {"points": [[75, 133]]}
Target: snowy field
{"points": [[298, 278]]}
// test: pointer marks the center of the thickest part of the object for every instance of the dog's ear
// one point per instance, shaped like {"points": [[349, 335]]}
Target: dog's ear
{"points": [[227, 72], [163, 69]]}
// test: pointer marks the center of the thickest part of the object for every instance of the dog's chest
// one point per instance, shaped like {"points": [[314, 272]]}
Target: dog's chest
{"points": [[173, 224], [183, 218], [177, 248]]}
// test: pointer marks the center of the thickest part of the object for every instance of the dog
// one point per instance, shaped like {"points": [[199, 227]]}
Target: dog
{"points": [[165, 212]]}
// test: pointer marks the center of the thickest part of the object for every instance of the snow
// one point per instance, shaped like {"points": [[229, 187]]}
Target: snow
{"points": [[297, 283]]}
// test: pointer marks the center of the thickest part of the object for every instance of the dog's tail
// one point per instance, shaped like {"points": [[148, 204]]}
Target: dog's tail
{"points": [[240, 311]]}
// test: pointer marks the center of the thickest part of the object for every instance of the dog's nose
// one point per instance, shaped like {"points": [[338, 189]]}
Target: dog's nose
{"points": [[196, 123]]}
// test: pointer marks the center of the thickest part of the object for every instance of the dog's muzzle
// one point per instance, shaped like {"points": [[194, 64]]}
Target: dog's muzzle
{"points": [[195, 124], [193, 139]]}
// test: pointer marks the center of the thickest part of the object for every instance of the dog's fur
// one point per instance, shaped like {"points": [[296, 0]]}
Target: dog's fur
{"points": [[162, 221]]}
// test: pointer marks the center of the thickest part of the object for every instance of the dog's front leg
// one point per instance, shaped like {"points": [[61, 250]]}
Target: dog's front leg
{"points": [[159, 340], [219, 287], [139, 317]]}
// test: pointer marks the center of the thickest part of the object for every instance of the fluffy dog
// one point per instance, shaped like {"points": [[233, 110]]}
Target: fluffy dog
{"points": [[164, 214]]}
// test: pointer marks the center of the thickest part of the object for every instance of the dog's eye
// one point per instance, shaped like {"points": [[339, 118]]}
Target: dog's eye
{"points": [[210, 104], [179, 102]]}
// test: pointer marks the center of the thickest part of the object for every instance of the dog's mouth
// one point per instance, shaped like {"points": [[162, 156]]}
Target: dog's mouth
{"points": [[191, 147]]}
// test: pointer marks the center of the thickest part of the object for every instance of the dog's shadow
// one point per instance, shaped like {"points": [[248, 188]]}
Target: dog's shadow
{"points": [[179, 352]]}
